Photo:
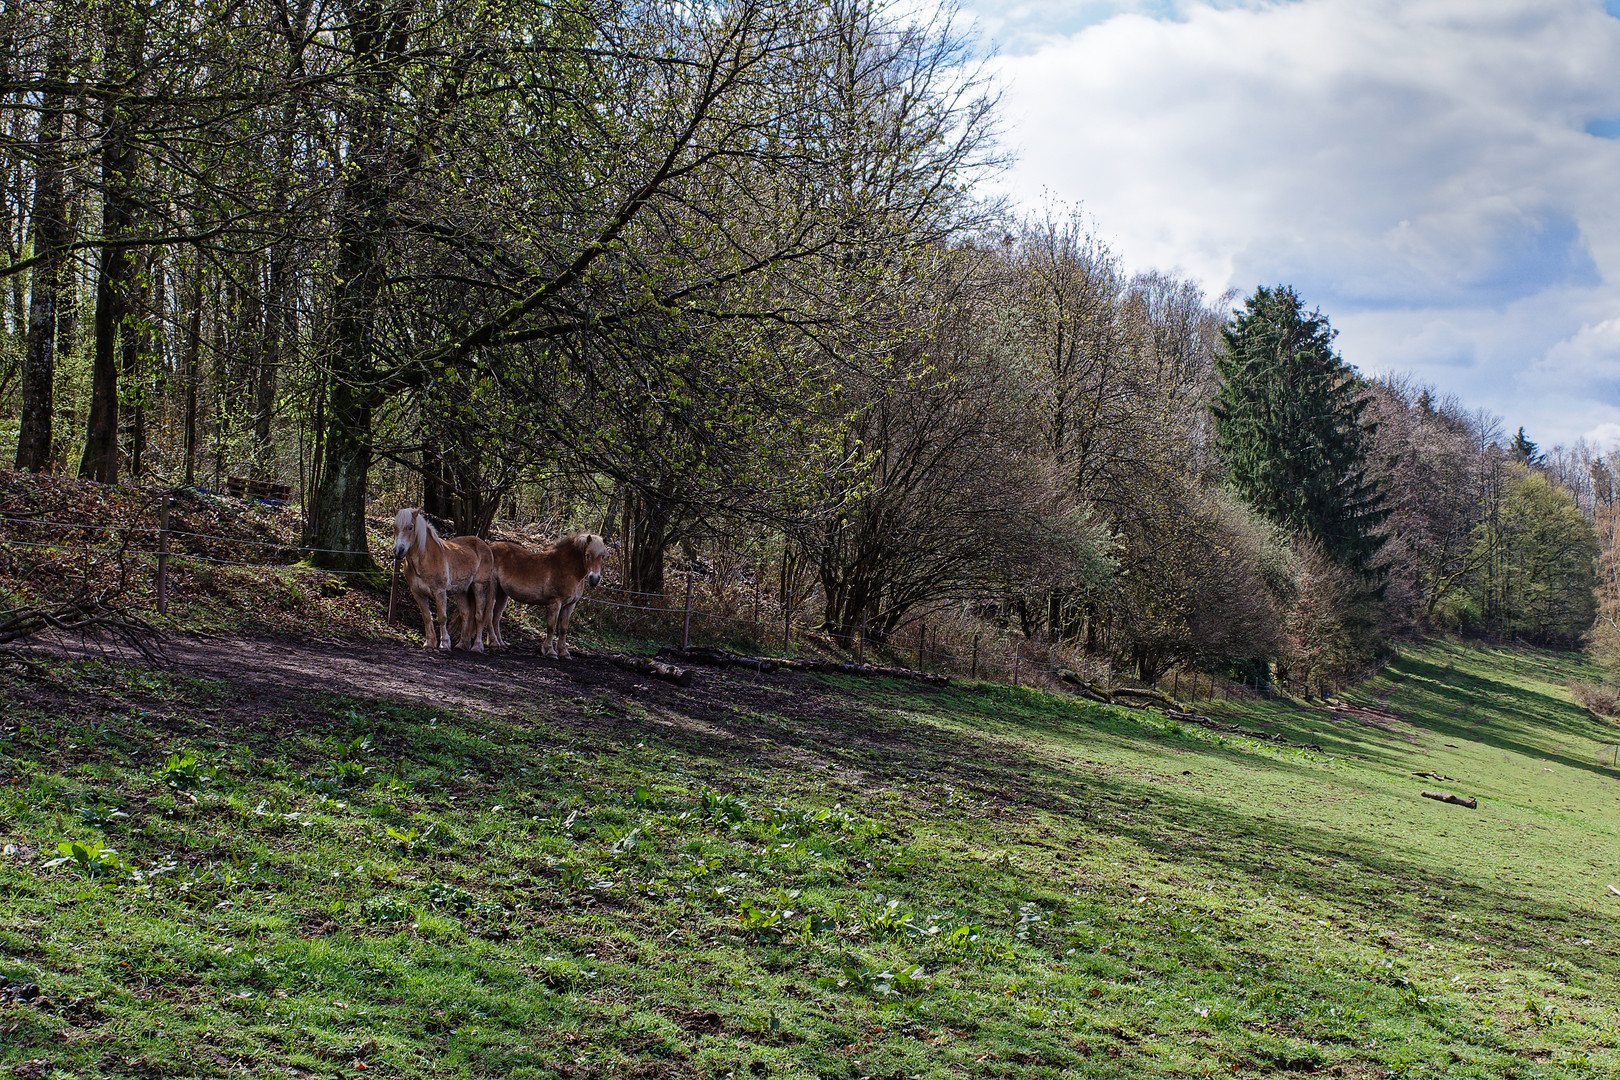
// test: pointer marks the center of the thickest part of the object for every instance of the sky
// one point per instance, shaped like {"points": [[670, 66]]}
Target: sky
{"points": [[1440, 177]]}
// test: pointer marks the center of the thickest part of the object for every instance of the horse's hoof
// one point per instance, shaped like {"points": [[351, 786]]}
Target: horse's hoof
{"points": [[562, 654]]}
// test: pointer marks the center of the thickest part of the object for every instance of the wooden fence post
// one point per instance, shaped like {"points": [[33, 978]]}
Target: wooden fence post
{"points": [[1016, 658], [860, 643], [922, 638], [975, 674], [393, 589], [787, 623], [686, 619], [163, 558]]}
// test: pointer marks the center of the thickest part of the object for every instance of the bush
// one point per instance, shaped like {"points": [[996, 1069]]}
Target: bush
{"points": [[1601, 699]]}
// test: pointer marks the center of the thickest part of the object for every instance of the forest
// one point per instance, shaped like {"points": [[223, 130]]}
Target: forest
{"points": [[719, 282]]}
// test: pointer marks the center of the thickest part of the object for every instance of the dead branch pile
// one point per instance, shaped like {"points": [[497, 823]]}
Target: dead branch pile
{"points": [[90, 617]]}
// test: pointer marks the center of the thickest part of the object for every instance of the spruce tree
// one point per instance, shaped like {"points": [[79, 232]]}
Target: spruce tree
{"points": [[1288, 420]]}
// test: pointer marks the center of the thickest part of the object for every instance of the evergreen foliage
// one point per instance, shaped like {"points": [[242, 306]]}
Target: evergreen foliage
{"points": [[1526, 452], [1289, 425]]}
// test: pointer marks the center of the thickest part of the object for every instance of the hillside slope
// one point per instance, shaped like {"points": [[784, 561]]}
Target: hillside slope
{"points": [[367, 860]]}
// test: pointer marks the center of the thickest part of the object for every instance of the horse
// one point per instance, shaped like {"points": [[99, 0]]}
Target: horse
{"points": [[555, 577], [436, 568]]}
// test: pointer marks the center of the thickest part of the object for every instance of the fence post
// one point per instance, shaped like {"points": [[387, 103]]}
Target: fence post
{"points": [[1175, 687], [922, 639], [686, 619], [1016, 658], [787, 623], [163, 559], [975, 674]]}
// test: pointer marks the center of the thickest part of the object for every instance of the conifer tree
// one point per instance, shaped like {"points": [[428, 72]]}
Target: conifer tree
{"points": [[1526, 452], [1289, 425]]}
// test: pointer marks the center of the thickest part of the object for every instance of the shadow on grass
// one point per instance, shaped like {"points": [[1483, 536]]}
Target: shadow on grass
{"points": [[980, 740]]}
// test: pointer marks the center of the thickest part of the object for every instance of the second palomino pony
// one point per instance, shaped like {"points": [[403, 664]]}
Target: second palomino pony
{"points": [[437, 568], [554, 578]]}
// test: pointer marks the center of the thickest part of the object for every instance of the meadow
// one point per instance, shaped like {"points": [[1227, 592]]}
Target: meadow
{"points": [[798, 876]]}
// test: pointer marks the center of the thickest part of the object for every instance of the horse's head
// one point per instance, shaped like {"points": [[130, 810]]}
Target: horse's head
{"points": [[409, 528], [593, 552]]}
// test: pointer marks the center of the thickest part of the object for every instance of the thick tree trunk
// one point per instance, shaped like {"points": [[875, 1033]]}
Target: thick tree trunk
{"points": [[341, 497], [125, 38], [50, 236]]}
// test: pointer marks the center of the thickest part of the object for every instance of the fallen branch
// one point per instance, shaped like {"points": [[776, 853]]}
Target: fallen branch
{"points": [[1455, 800], [1436, 776], [86, 616], [643, 665], [1614, 890]]}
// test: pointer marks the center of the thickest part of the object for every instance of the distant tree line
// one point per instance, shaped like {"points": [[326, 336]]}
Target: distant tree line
{"points": [[712, 280]]}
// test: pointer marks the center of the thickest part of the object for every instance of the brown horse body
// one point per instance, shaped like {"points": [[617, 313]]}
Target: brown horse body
{"points": [[554, 578], [436, 569]]}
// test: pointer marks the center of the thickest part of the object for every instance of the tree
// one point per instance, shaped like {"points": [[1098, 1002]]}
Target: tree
{"points": [[1524, 451], [1288, 420], [1538, 551]]}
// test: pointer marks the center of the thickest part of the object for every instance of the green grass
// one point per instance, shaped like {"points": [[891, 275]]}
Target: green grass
{"points": [[811, 877]]}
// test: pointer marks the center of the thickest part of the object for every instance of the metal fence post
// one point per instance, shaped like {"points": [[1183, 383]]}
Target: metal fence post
{"points": [[163, 559], [686, 619]]}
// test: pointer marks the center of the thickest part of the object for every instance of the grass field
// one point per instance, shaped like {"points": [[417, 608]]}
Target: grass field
{"points": [[794, 876]]}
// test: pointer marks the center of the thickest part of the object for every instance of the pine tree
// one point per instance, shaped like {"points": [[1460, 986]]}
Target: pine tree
{"points": [[1525, 452], [1288, 420]]}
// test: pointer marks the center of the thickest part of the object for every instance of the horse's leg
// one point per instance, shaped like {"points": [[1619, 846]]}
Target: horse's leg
{"points": [[497, 608], [440, 598], [564, 616], [421, 599], [553, 611], [478, 595]]}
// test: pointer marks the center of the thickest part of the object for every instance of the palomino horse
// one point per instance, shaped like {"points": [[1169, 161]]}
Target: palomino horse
{"points": [[436, 568], [555, 577]]}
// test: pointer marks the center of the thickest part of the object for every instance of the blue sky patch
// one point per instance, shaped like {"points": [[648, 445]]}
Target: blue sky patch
{"points": [[1605, 129]]}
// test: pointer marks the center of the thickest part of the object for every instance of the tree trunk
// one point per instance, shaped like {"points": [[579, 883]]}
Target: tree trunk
{"points": [[190, 351], [646, 540], [50, 236], [125, 40], [135, 346]]}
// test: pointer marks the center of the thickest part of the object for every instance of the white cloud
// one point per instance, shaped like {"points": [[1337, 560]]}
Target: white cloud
{"points": [[1605, 436], [1419, 168]]}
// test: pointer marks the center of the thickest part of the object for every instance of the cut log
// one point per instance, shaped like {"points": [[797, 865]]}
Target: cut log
{"points": [[643, 665], [1455, 800]]}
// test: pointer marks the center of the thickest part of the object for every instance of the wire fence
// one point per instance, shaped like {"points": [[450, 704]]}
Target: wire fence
{"points": [[996, 654]]}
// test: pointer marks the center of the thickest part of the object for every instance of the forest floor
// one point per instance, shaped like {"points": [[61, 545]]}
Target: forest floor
{"points": [[301, 857]]}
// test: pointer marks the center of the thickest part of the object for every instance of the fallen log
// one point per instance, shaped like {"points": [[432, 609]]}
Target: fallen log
{"points": [[1455, 800], [643, 665], [724, 659]]}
